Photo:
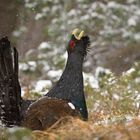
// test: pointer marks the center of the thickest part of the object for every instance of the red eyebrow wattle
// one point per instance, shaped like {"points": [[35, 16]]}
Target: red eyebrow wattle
{"points": [[72, 44]]}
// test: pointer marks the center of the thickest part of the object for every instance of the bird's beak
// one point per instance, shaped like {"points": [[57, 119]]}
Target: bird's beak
{"points": [[77, 34]]}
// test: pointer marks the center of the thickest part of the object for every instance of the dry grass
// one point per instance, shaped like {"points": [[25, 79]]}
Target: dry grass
{"points": [[113, 112], [76, 129]]}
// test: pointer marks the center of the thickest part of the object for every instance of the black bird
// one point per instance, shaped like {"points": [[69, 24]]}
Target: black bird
{"points": [[66, 98], [70, 86]]}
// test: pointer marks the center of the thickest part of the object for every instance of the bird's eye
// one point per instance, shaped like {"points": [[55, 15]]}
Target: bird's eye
{"points": [[72, 44]]}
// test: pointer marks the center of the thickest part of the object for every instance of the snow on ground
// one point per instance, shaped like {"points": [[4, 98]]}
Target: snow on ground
{"points": [[41, 87], [43, 84], [44, 45], [91, 80], [30, 65], [131, 70], [54, 74]]}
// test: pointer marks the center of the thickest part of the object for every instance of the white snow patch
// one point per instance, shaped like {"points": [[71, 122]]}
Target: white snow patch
{"points": [[116, 96], [137, 104], [112, 4], [22, 92], [132, 22], [129, 117], [137, 36], [100, 70], [126, 34], [130, 71], [91, 80], [71, 105], [32, 65], [130, 1], [104, 93], [85, 17], [94, 5], [23, 66], [38, 16], [30, 5], [137, 80], [72, 12], [54, 73], [96, 15], [46, 67], [65, 55], [45, 9], [14, 129], [42, 84], [138, 12], [44, 45]]}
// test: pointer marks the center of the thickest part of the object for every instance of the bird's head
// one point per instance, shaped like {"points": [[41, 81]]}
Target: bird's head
{"points": [[78, 43]]}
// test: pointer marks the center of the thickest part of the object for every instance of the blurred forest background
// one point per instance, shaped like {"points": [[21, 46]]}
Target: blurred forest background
{"points": [[39, 29], [33, 25]]}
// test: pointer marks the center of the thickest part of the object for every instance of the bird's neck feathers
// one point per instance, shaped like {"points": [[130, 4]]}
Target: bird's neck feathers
{"points": [[71, 80], [70, 85], [72, 77]]}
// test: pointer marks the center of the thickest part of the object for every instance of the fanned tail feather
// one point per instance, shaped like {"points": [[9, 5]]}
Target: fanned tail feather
{"points": [[10, 92]]}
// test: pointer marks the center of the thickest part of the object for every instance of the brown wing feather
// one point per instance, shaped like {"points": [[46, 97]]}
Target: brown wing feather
{"points": [[45, 112]]}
